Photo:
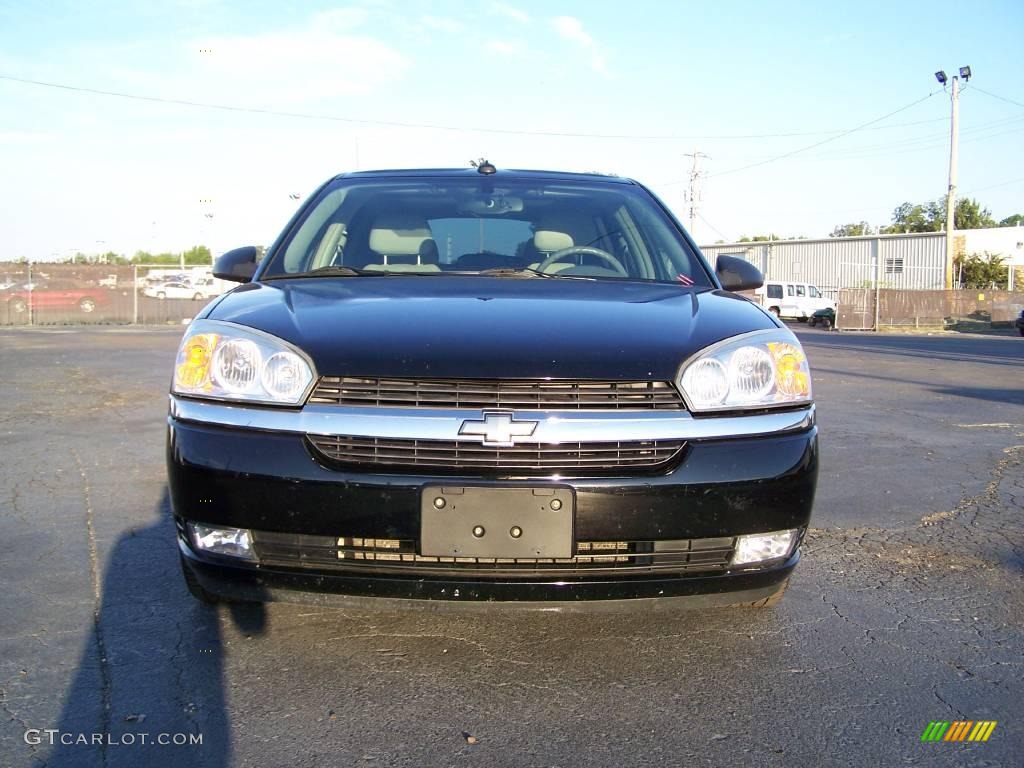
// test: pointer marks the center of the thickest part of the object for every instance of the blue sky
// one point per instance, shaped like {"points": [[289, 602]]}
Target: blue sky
{"points": [[90, 172]]}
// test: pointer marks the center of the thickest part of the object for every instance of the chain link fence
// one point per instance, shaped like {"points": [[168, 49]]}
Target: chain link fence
{"points": [[77, 294]]}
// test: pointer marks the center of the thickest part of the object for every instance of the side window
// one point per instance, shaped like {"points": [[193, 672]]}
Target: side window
{"points": [[799, 290], [789, 290], [774, 291], [813, 292]]}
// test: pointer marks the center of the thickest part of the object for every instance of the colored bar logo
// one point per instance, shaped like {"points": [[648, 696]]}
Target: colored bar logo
{"points": [[958, 730]]}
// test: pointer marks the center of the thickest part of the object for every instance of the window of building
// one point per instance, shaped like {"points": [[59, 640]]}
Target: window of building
{"points": [[894, 265]]}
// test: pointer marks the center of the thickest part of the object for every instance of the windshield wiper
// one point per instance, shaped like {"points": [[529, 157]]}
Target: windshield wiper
{"points": [[329, 271], [508, 272]]}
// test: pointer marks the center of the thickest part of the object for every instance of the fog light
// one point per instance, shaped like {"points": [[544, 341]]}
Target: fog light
{"points": [[758, 547], [233, 542]]}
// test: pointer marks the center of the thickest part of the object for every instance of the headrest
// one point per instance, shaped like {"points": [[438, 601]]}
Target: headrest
{"points": [[399, 241], [549, 241], [428, 252]]}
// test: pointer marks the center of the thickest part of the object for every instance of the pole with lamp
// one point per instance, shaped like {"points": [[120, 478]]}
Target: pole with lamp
{"points": [[954, 139]]}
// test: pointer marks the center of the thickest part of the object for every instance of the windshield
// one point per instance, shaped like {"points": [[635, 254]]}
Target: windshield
{"points": [[567, 229]]}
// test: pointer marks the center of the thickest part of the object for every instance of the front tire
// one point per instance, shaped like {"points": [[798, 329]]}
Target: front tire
{"points": [[197, 297], [161, 295], [774, 311], [87, 305]]}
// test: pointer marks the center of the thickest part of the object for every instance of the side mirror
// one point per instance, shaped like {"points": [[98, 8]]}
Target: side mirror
{"points": [[736, 274], [238, 265]]}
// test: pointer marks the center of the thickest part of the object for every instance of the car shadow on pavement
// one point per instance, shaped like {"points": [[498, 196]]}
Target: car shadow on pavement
{"points": [[153, 665]]}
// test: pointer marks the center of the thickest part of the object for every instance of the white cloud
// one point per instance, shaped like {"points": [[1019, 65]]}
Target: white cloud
{"points": [[507, 47], [340, 19], [324, 58], [510, 12], [570, 28], [441, 24]]}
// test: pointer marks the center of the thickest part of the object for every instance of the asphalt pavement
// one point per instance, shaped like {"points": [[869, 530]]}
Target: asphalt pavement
{"points": [[907, 607]]}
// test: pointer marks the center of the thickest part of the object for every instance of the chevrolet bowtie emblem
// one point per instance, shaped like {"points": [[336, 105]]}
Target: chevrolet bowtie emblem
{"points": [[498, 429]]}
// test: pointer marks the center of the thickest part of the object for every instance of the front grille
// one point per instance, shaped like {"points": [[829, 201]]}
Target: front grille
{"points": [[399, 556], [604, 457], [503, 393]]}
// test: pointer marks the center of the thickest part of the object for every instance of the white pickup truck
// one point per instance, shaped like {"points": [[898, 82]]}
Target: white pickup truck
{"points": [[791, 300]]}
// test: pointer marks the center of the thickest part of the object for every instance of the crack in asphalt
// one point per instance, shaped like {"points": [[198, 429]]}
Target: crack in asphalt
{"points": [[15, 717], [97, 592]]}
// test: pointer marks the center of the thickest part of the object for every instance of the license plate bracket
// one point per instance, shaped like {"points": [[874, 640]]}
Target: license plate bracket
{"points": [[503, 523]]}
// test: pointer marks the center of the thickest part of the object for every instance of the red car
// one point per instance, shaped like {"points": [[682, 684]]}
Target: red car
{"points": [[56, 294]]}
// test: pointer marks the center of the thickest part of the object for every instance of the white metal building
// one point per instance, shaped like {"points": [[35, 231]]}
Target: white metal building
{"points": [[911, 261]]}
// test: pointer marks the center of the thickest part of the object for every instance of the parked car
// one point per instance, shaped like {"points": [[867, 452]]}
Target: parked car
{"points": [[1020, 323], [55, 295], [826, 317], [792, 300], [484, 385], [182, 290]]}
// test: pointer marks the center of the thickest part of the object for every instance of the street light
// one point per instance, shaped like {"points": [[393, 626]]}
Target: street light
{"points": [[954, 138]]}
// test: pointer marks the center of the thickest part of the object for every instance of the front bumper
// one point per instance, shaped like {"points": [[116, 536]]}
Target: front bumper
{"points": [[270, 481]]}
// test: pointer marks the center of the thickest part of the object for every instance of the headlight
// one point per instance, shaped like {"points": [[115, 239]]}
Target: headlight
{"points": [[756, 370], [224, 361]]}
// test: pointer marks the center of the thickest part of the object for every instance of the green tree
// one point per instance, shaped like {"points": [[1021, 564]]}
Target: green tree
{"points": [[981, 271], [970, 215], [851, 230], [197, 254], [1017, 220], [909, 217], [931, 216]]}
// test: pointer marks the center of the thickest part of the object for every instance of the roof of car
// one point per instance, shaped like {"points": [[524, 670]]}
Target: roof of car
{"points": [[499, 174]]}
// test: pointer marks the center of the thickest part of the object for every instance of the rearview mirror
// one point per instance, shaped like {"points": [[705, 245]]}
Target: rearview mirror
{"points": [[238, 265], [736, 274]]}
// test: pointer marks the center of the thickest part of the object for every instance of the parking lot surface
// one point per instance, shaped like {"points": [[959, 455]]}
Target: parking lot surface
{"points": [[907, 607]]}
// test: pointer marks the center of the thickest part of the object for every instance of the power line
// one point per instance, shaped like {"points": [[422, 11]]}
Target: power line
{"points": [[993, 186], [996, 96], [716, 230], [824, 141], [436, 126]]}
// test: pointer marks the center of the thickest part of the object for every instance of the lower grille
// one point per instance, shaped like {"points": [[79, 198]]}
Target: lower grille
{"points": [[594, 458], [399, 556]]}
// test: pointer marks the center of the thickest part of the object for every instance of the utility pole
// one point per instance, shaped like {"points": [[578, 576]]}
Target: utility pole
{"points": [[954, 140], [694, 196]]}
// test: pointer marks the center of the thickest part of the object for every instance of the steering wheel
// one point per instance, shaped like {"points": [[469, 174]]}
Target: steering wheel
{"points": [[587, 250]]}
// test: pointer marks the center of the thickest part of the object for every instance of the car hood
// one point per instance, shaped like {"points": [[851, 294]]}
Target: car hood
{"points": [[487, 327]]}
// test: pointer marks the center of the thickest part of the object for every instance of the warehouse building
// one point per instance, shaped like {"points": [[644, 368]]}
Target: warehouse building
{"points": [[915, 261]]}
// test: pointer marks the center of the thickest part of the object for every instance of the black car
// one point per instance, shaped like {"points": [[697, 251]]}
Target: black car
{"points": [[486, 385], [1020, 323], [825, 317]]}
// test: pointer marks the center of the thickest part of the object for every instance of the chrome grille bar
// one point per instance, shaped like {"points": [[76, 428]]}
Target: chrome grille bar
{"points": [[498, 393]]}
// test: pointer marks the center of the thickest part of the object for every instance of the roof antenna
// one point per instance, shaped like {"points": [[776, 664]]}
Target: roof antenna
{"points": [[483, 166]]}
